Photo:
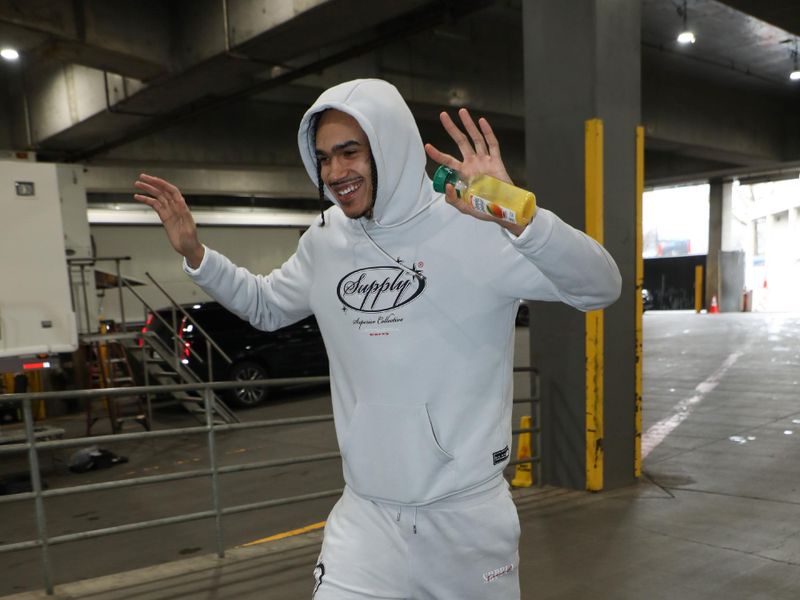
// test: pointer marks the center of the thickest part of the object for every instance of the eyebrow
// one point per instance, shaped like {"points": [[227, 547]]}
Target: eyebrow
{"points": [[338, 147]]}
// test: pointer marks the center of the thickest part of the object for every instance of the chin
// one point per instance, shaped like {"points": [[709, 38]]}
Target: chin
{"points": [[357, 211], [357, 215]]}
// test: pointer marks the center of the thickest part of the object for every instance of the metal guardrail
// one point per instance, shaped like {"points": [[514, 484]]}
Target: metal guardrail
{"points": [[43, 540], [536, 418], [32, 446]]}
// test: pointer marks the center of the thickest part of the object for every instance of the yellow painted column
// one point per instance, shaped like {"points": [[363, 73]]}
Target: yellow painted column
{"points": [[637, 459], [698, 288], [594, 319]]}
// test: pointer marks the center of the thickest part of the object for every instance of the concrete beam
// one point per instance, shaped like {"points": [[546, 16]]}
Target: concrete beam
{"points": [[284, 182], [715, 123], [61, 96], [97, 33], [250, 42], [781, 13]]}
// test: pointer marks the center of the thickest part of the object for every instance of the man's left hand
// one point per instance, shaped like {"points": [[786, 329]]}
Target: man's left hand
{"points": [[480, 152]]}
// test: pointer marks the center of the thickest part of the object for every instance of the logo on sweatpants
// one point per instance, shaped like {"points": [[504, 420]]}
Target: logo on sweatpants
{"points": [[499, 456], [495, 573], [319, 572]]}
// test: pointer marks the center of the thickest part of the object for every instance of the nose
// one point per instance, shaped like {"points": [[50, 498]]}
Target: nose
{"points": [[338, 168]]}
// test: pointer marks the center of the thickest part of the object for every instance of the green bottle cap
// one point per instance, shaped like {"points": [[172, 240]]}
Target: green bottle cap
{"points": [[442, 176]]}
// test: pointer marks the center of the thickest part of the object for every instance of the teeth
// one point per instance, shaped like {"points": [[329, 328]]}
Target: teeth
{"points": [[348, 189]]}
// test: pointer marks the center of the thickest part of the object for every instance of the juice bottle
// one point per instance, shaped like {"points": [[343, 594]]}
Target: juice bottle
{"points": [[490, 195]]}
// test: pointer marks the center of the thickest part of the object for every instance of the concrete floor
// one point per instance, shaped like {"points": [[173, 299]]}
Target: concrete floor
{"points": [[716, 515]]}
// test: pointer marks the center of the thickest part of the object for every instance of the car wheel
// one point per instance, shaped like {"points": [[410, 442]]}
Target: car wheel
{"points": [[248, 371]]}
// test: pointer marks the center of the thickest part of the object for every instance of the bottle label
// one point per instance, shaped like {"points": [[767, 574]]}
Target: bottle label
{"points": [[492, 208]]}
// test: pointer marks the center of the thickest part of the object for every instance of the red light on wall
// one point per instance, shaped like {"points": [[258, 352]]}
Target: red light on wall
{"points": [[36, 365]]}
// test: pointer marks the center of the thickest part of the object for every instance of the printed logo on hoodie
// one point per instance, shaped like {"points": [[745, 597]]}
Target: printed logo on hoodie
{"points": [[378, 289]]}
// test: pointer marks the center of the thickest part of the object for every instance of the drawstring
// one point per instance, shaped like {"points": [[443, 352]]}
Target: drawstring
{"points": [[414, 520], [411, 272]]}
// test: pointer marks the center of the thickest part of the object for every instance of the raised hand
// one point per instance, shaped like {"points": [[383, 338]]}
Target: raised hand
{"points": [[169, 204], [480, 154]]}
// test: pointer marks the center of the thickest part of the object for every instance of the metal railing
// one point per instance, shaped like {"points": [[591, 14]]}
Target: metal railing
{"points": [[38, 494], [536, 420], [32, 446], [173, 333]]}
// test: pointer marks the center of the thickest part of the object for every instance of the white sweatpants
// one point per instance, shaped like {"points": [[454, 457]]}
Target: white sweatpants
{"points": [[457, 549]]}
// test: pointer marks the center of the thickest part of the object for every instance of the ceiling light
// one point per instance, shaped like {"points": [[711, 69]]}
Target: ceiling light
{"points": [[686, 36], [135, 215], [9, 54]]}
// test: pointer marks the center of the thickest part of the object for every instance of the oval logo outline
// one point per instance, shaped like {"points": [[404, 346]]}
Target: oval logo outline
{"points": [[372, 290]]}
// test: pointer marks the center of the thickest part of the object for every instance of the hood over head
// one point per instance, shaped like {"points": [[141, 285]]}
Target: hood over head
{"points": [[403, 187]]}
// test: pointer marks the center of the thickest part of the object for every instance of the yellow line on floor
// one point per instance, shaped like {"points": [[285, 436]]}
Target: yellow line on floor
{"points": [[285, 534]]}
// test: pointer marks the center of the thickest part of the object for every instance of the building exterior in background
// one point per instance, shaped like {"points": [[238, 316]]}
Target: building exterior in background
{"points": [[765, 220], [760, 223]]}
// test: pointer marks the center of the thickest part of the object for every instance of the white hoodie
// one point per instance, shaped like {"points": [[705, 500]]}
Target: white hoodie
{"points": [[421, 366]]}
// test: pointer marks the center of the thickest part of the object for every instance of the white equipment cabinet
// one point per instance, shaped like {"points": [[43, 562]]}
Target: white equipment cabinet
{"points": [[36, 314]]}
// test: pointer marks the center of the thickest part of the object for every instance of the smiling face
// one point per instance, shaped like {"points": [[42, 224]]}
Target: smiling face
{"points": [[343, 151]]}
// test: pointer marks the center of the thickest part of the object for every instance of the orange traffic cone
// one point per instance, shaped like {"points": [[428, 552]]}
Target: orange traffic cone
{"points": [[714, 309]]}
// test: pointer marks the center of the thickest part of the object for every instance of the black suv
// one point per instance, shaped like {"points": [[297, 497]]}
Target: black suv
{"points": [[296, 350]]}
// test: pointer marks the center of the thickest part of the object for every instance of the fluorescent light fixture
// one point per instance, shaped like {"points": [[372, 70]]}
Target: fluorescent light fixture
{"points": [[9, 54], [795, 75], [251, 218], [686, 37]]}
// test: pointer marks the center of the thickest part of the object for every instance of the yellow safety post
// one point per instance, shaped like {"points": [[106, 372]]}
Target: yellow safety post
{"points": [[8, 383], [35, 385], [8, 388], [523, 472], [698, 288], [593, 166], [637, 459]]}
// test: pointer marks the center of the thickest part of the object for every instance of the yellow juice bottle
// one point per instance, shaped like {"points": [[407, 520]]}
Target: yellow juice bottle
{"points": [[489, 195]]}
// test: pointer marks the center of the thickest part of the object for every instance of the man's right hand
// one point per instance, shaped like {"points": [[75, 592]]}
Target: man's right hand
{"points": [[171, 207]]}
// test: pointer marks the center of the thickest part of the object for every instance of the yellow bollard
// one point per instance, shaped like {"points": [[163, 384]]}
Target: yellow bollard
{"points": [[35, 385], [8, 383], [523, 473]]}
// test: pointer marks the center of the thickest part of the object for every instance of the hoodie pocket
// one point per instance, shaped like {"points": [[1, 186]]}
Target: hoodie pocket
{"points": [[391, 453]]}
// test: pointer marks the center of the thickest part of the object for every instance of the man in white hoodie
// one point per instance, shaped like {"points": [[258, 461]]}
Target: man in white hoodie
{"points": [[415, 298]]}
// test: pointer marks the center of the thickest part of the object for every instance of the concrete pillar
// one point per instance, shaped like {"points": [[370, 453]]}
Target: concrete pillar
{"points": [[733, 228], [582, 61], [715, 204]]}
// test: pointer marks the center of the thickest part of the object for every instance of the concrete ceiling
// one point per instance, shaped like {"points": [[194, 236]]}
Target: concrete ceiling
{"points": [[216, 82]]}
